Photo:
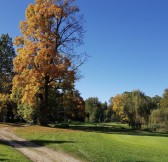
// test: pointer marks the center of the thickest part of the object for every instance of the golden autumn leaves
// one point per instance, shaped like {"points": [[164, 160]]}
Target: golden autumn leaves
{"points": [[39, 63], [118, 106]]}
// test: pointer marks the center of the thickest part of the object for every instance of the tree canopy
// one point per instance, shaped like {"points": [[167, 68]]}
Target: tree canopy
{"points": [[7, 53], [46, 57]]}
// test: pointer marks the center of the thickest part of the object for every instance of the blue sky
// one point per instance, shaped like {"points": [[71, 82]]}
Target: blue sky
{"points": [[127, 41]]}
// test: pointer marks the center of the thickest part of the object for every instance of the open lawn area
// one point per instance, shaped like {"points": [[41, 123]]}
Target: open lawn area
{"points": [[100, 143]]}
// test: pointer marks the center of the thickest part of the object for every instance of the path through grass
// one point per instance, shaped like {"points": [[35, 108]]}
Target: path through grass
{"points": [[9, 154], [99, 145]]}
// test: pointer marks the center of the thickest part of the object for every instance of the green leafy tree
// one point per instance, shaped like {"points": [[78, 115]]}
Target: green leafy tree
{"points": [[159, 120], [7, 54], [107, 111], [164, 100], [93, 109], [138, 107], [159, 117], [156, 100]]}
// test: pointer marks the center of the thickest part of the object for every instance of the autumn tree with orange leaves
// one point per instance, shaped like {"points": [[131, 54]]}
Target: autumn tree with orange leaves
{"points": [[118, 107], [45, 53], [75, 106]]}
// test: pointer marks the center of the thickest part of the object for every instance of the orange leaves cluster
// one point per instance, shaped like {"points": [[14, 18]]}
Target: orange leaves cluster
{"points": [[28, 85], [39, 17], [118, 106], [38, 57], [19, 41], [118, 103], [4, 99], [76, 104]]}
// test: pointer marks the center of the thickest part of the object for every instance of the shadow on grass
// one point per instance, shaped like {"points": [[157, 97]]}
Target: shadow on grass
{"points": [[116, 130], [103, 128], [32, 143], [3, 157], [136, 161]]}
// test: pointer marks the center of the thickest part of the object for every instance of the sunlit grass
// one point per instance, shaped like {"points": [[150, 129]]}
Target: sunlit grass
{"points": [[9, 154], [100, 146]]}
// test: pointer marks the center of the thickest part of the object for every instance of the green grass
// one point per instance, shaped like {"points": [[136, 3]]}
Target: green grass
{"points": [[9, 154], [102, 142]]}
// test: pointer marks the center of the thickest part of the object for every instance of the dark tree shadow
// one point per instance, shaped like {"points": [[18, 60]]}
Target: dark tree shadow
{"points": [[136, 161], [45, 142], [116, 130], [109, 129], [3, 157], [32, 143]]}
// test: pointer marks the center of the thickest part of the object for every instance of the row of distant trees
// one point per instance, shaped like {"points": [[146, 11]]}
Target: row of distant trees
{"points": [[38, 84], [134, 108]]}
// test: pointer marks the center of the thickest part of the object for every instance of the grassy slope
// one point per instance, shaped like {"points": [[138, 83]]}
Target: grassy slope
{"points": [[9, 154], [99, 144]]}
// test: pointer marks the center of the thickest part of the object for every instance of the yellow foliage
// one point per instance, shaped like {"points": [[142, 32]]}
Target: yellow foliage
{"points": [[118, 106], [4, 99], [19, 41], [38, 62]]}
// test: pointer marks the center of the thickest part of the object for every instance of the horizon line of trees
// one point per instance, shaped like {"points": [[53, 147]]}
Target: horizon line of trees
{"points": [[38, 84], [134, 108]]}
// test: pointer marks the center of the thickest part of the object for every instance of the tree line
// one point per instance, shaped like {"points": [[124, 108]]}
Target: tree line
{"points": [[37, 82], [134, 108]]}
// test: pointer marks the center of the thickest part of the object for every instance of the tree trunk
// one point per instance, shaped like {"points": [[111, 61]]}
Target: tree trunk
{"points": [[44, 105]]}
